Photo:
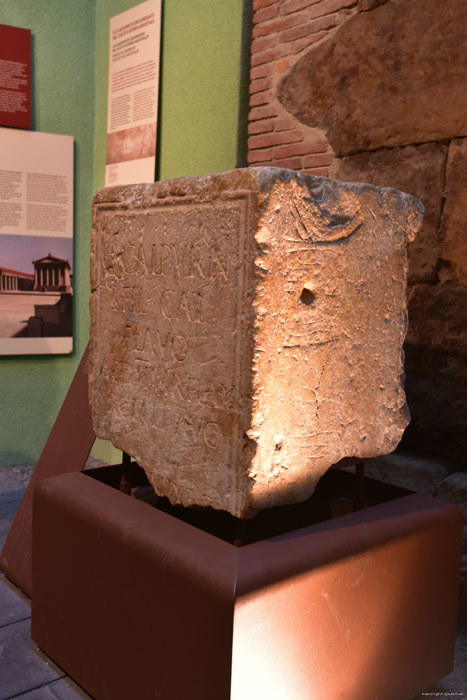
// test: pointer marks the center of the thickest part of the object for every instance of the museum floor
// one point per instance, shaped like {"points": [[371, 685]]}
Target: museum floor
{"points": [[27, 674]]}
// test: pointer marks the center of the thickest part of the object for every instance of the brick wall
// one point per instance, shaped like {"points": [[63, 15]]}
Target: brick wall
{"points": [[282, 31]]}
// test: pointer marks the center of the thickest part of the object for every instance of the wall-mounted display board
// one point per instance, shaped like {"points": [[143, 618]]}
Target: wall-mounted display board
{"points": [[134, 51], [15, 77], [36, 243]]}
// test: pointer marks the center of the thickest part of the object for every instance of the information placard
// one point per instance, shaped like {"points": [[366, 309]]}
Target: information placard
{"points": [[36, 242], [15, 77], [134, 50]]}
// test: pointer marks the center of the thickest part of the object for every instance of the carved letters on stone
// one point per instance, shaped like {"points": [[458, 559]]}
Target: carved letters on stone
{"points": [[247, 330]]}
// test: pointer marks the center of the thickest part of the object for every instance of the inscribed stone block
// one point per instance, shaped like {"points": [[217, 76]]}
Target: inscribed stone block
{"points": [[247, 330]]}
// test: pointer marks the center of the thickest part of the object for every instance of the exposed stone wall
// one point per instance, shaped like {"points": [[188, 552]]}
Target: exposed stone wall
{"points": [[373, 90]]}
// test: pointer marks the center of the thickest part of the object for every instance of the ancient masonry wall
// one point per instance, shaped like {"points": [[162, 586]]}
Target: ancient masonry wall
{"points": [[373, 91], [337, 89]]}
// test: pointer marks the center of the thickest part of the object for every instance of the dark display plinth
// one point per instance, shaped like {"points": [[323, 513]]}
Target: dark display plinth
{"points": [[134, 602]]}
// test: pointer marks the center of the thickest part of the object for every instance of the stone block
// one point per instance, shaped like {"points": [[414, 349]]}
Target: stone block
{"points": [[389, 77], [454, 247], [407, 471], [366, 5], [436, 388], [438, 317], [246, 330], [418, 170]]}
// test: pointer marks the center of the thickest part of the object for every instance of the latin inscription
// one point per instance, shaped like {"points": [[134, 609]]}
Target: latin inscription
{"points": [[189, 261], [171, 336]]}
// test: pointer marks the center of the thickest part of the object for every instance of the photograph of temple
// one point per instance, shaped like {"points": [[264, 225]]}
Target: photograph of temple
{"points": [[36, 294], [52, 275]]}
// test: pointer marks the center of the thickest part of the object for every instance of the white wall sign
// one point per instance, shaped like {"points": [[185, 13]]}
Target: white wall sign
{"points": [[36, 242], [134, 50]]}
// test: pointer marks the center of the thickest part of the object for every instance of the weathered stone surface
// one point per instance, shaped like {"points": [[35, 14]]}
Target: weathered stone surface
{"points": [[438, 317], [436, 366], [454, 250], [389, 77], [247, 330], [409, 472], [365, 5], [418, 170], [436, 387]]}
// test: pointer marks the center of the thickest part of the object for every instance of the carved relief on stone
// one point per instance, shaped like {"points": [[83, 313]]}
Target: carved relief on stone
{"points": [[247, 330]]}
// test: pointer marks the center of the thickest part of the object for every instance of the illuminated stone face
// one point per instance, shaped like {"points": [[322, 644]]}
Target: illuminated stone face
{"points": [[247, 330]]}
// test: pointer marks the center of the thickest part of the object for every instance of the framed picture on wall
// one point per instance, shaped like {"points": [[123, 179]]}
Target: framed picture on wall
{"points": [[36, 243]]}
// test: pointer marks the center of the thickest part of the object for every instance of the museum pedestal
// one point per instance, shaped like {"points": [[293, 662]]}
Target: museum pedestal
{"points": [[134, 602]]}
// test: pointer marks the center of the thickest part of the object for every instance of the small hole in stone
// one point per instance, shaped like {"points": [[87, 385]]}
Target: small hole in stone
{"points": [[307, 296]]}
